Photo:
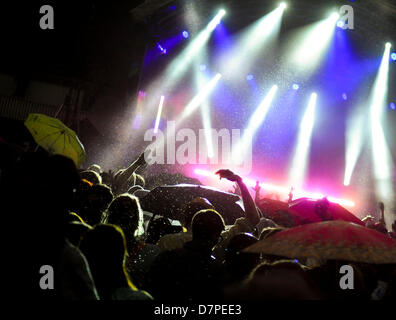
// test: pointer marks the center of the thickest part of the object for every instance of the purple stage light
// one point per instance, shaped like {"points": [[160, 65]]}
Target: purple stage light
{"points": [[185, 34], [344, 96], [393, 56], [296, 86], [249, 77], [392, 105], [162, 49], [340, 24]]}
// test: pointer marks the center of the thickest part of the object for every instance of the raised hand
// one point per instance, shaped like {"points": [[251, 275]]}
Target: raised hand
{"points": [[228, 174]]}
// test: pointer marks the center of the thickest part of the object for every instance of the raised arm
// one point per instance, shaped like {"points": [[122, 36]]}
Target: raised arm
{"points": [[250, 207], [123, 177]]}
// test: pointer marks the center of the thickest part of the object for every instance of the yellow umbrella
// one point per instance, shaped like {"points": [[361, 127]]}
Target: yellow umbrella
{"points": [[52, 135]]}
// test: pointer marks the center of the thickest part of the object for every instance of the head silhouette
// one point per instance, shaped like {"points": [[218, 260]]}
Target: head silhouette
{"points": [[207, 226], [125, 212], [104, 247], [191, 208]]}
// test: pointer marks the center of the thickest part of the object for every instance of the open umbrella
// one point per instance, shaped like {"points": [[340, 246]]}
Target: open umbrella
{"points": [[52, 135], [306, 211], [330, 240], [169, 201], [277, 211]]}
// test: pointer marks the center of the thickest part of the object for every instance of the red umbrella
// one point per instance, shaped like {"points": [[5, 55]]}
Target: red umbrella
{"points": [[311, 210], [330, 240], [277, 211]]}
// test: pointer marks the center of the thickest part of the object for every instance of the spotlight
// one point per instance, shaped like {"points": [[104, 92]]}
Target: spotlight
{"points": [[296, 86], [392, 106], [382, 158], [255, 121], [157, 120], [251, 43], [162, 49], [354, 139], [393, 56], [249, 77], [212, 25], [283, 5], [344, 96], [185, 34], [180, 64], [299, 165], [200, 97], [200, 80], [313, 44], [340, 24]]}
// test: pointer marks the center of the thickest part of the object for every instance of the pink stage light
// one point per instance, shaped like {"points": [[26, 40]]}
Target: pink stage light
{"points": [[271, 187]]}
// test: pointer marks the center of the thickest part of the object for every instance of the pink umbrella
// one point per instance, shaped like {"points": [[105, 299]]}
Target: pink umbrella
{"points": [[311, 210], [330, 240]]}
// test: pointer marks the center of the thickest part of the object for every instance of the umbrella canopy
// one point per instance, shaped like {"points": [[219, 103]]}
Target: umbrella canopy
{"points": [[169, 201], [52, 135], [306, 211], [277, 211], [330, 240]]}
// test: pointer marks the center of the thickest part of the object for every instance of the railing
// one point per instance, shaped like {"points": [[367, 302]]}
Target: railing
{"points": [[18, 109]]}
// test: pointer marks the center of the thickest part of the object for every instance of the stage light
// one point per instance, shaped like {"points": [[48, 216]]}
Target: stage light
{"points": [[280, 189], [382, 159], [392, 106], [283, 5], [344, 96], [301, 154], [250, 44], [340, 24], [200, 80], [200, 97], [194, 103], [162, 49], [249, 77], [296, 86], [388, 45], [393, 56], [157, 120], [217, 19], [353, 142], [255, 121], [312, 43], [180, 65], [185, 34]]}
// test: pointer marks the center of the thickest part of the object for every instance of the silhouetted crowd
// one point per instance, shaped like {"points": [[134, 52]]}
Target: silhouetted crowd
{"points": [[87, 230]]}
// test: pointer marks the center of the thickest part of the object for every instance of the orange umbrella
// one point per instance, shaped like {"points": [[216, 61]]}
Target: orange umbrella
{"points": [[330, 240]]}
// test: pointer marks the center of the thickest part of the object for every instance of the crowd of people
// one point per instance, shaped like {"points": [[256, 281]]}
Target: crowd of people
{"points": [[89, 227]]}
